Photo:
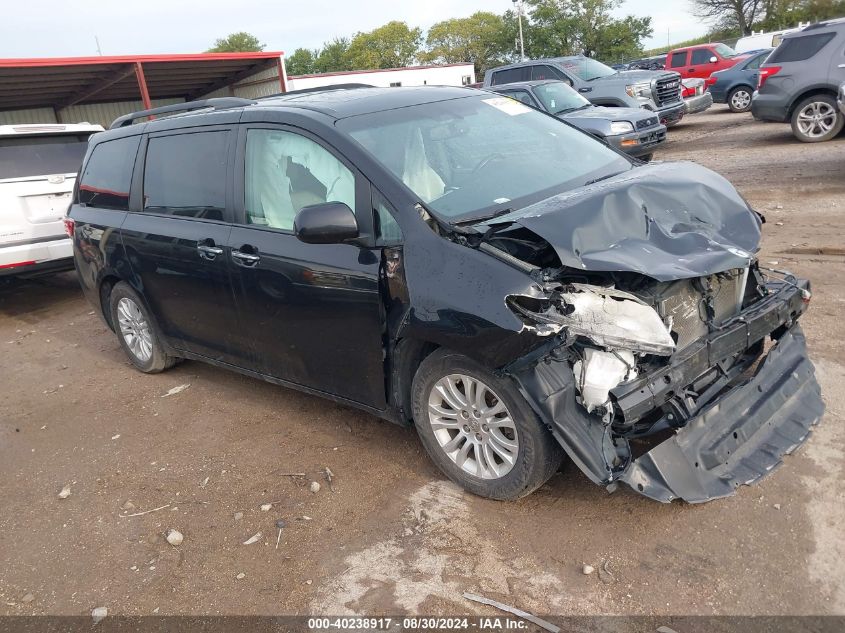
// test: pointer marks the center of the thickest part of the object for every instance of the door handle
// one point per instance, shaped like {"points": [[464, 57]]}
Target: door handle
{"points": [[208, 250], [245, 259], [842, 65]]}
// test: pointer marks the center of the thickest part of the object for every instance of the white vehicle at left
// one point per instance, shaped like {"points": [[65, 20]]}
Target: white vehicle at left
{"points": [[38, 168]]}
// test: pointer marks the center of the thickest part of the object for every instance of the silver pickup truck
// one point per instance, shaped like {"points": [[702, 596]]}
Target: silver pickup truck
{"points": [[655, 90]]}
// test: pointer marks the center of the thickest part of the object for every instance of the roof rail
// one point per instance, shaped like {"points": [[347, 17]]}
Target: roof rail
{"points": [[303, 91], [219, 103]]}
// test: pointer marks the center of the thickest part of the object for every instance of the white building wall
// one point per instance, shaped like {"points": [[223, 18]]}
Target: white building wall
{"points": [[450, 75]]}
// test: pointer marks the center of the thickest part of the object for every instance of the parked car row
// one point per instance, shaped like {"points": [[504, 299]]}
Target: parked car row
{"points": [[657, 91], [635, 131]]}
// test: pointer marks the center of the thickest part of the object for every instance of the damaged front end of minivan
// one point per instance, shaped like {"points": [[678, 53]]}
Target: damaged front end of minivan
{"points": [[670, 360]]}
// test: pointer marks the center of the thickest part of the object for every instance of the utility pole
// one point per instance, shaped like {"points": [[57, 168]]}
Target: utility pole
{"points": [[518, 5], [97, 40]]}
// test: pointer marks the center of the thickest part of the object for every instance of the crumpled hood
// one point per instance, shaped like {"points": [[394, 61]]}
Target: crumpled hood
{"points": [[664, 220]]}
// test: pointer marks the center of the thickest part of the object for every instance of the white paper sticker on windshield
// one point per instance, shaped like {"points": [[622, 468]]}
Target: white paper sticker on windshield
{"points": [[508, 105]]}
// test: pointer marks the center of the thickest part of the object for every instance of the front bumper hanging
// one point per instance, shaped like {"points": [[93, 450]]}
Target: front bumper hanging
{"points": [[742, 436]]}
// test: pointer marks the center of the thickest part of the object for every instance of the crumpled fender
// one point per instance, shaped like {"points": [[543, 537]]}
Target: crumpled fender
{"points": [[549, 387]]}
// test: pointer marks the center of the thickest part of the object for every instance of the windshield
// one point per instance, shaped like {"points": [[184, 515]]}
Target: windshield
{"points": [[586, 68], [23, 156], [558, 97], [474, 157], [724, 50]]}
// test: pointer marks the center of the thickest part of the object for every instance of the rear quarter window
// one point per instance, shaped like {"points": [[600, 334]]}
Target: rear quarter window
{"points": [[797, 49], [511, 75], [185, 174], [105, 181]]}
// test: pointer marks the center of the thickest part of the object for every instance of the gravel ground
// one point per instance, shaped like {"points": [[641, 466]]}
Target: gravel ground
{"points": [[392, 536]]}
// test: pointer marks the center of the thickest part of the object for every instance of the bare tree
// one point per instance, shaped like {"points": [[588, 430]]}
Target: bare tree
{"points": [[739, 14]]}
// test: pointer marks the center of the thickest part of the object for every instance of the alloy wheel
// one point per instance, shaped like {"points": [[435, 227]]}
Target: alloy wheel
{"points": [[135, 329], [740, 100], [816, 119], [473, 426]]}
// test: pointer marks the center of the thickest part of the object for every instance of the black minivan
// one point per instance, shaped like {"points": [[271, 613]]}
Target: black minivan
{"points": [[454, 260]]}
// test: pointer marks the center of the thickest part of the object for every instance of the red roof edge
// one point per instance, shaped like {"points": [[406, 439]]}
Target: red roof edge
{"points": [[39, 62]]}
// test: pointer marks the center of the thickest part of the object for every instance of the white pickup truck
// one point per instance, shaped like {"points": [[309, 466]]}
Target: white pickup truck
{"points": [[38, 167]]}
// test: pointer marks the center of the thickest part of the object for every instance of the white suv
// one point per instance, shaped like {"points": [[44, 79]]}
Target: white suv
{"points": [[38, 166]]}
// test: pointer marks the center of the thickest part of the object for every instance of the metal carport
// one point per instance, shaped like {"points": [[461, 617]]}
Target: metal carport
{"points": [[31, 88]]}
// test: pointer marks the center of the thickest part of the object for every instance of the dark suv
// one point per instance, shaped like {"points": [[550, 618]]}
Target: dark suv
{"points": [[454, 260], [799, 81]]}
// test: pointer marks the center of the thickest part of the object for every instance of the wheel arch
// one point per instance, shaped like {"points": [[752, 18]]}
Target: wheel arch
{"points": [[810, 92], [741, 84], [405, 359], [107, 284]]}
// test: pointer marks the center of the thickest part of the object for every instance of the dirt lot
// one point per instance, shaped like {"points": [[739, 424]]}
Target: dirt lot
{"points": [[393, 536]]}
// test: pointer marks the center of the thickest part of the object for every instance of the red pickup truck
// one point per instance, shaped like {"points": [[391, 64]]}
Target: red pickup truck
{"points": [[702, 60]]}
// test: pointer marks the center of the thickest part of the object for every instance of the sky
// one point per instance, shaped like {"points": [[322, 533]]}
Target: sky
{"points": [[53, 28]]}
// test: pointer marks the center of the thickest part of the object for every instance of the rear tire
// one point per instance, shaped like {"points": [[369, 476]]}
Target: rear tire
{"points": [[817, 119], [479, 430], [646, 158], [137, 332], [739, 99]]}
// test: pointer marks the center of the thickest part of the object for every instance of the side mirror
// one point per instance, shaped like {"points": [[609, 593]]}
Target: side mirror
{"points": [[326, 223], [714, 59]]}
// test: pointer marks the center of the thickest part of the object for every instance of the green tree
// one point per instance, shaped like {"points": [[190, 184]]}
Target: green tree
{"points": [[572, 27], [240, 42], [302, 62], [389, 46], [334, 56], [483, 39]]}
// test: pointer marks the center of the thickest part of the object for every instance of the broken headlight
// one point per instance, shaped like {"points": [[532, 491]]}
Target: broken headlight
{"points": [[609, 318]]}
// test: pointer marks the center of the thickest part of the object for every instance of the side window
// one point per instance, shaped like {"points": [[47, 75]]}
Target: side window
{"points": [[797, 49], [285, 172], [105, 181], [511, 75], [543, 71], [701, 56], [388, 232], [185, 174], [678, 59], [754, 64]]}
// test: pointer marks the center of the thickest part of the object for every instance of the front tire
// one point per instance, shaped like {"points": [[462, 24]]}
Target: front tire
{"points": [[479, 430], [817, 119], [739, 99], [136, 331]]}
